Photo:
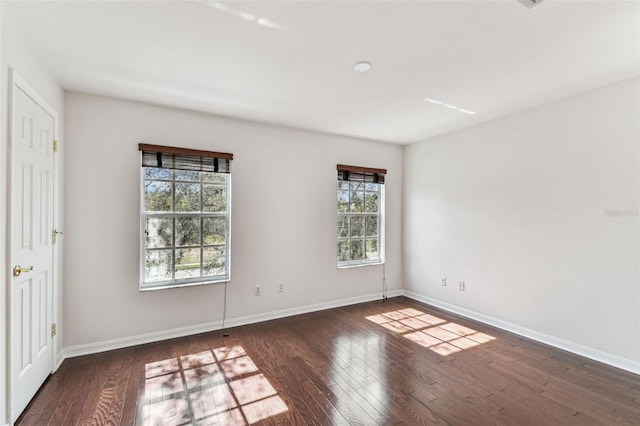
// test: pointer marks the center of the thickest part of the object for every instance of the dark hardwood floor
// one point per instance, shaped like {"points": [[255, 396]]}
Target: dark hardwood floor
{"points": [[399, 362]]}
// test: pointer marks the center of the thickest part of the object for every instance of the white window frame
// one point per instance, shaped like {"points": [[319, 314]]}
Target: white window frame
{"points": [[381, 227], [184, 282]]}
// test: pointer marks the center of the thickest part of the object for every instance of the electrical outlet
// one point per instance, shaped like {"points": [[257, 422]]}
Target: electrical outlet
{"points": [[258, 290], [281, 287], [461, 285], [443, 281]]}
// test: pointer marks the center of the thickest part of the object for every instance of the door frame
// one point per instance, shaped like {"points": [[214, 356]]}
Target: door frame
{"points": [[16, 81]]}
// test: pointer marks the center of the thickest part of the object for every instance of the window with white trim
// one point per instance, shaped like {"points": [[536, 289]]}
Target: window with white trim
{"points": [[360, 206], [185, 217]]}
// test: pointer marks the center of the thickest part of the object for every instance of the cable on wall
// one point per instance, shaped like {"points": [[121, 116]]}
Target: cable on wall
{"points": [[224, 310], [384, 282]]}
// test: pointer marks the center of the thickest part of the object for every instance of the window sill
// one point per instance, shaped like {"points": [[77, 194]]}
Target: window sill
{"points": [[359, 265], [149, 287]]}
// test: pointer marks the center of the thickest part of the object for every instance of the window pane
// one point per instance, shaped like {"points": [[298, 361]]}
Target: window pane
{"points": [[372, 249], [186, 238], [187, 263], [214, 198], [357, 226], [187, 231], [371, 187], [153, 173], [343, 201], [343, 185], [357, 249], [187, 197], [357, 186], [157, 196], [343, 251], [158, 265], [214, 177], [371, 202], [343, 226], [357, 201], [159, 232], [214, 230], [214, 261], [371, 226], [187, 175]]}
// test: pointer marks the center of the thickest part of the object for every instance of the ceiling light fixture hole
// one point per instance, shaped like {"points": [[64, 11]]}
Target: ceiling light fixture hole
{"points": [[362, 66]]}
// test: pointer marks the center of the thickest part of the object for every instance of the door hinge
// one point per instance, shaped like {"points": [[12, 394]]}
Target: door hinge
{"points": [[55, 145], [54, 330]]}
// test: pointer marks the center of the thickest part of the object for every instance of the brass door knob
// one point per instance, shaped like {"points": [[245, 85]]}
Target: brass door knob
{"points": [[17, 270]]}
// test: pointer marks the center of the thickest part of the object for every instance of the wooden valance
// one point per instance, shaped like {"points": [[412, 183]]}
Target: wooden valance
{"points": [[361, 174], [168, 157]]}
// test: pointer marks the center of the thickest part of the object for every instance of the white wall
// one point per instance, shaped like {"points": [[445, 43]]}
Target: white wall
{"points": [[283, 218], [15, 53], [517, 208]]}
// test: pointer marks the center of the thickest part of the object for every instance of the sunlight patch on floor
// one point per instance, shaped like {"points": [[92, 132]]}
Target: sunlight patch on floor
{"points": [[219, 386], [431, 332]]}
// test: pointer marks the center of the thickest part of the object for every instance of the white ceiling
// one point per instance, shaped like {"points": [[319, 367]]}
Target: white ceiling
{"points": [[290, 62]]}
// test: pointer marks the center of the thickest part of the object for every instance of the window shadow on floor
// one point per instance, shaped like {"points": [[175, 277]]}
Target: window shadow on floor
{"points": [[431, 332], [218, 386]]}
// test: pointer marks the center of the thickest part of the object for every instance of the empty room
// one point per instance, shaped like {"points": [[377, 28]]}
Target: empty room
{"points": [[320, 212]]}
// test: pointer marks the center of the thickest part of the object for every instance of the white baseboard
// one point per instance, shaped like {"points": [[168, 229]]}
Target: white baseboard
{"points": [[140, 339], [585, 351], [59, 360]]}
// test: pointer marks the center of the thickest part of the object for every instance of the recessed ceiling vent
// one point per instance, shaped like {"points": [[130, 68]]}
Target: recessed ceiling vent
{"points": [[530, 3]]}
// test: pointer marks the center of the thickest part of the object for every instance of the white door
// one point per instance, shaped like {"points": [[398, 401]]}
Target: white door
{"points": [[32, 183]]}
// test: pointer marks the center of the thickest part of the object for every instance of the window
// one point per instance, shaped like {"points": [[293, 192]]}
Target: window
{"points": [[185, 217], [360, 216]]}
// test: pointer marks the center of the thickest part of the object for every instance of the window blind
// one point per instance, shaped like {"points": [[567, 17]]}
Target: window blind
{"points": [[361, 174], [166, 157]]}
